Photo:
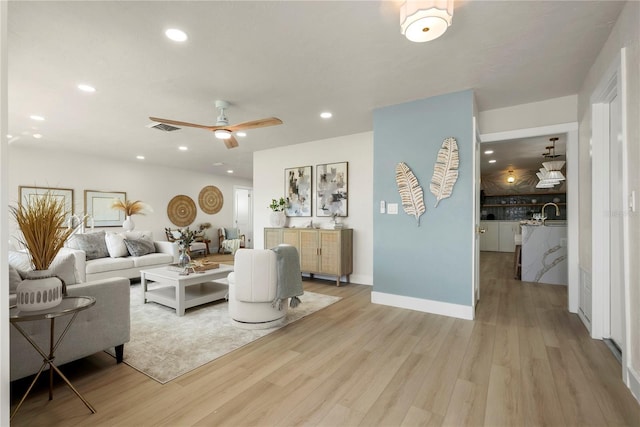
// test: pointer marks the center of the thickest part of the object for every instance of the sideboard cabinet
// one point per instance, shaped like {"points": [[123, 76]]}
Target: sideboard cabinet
{"points": [[327, 252]]}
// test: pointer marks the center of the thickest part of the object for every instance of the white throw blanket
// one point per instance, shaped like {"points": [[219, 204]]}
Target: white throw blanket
{"points": [[289, 277], [231, 245]]}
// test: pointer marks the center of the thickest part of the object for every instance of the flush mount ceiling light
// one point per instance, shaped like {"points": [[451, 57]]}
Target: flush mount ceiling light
{"points": [[425, 20], [326, 115], [510, 178], [36, 117], [488, 152], [492, 161]]}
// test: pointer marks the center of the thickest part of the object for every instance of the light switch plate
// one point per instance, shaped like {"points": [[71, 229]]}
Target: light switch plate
{"points": [[392, 209], [382, 207]]}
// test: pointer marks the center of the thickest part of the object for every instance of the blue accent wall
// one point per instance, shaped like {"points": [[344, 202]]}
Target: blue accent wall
{"points": [[432, 261]]}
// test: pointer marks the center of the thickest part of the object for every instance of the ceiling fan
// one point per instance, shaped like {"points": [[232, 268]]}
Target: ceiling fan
{"points": [[222, 129]]}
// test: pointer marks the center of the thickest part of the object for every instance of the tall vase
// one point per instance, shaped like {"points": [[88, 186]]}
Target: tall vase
{"points": [[278, 219], [39, 291], [128, 224]]}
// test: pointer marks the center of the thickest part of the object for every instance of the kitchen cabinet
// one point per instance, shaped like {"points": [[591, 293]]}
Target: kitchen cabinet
{"points": [[499, 235], [489, 240], [325, 252]]}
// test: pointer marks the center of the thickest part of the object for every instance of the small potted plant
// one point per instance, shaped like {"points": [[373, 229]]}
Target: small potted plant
{"points": [[278, 217], [130, 208], [42, 223]]}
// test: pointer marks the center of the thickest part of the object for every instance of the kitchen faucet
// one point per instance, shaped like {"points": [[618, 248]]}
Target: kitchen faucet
{"points": [[549, 204]]}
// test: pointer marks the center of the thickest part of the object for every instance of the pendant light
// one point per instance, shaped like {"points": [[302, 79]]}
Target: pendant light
{"points": [[554, 167]]}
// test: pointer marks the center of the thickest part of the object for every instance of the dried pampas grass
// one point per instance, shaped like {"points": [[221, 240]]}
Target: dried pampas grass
{"points": [[131, 208], [42, 223]]}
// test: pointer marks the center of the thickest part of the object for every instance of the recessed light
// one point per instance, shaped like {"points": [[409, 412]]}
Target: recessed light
{"points": [[176, 35], [140, 157], [241, 134], [488, 152], [9, 136], [492, 161], [326, 115], [37, 135], [36, 117], [86, 88], [230, 171], [183, 148]]}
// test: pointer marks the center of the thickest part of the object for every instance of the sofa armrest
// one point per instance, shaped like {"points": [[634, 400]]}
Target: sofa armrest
{"points": [[170, 248], [108, 321]]}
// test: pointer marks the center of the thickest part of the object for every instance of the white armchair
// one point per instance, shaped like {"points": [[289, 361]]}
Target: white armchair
{"points": [[253, 288]]}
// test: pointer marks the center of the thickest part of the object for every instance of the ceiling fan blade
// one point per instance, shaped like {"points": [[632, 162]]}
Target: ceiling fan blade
{"points": [[177, 123], [271, 121], [231, 142]]}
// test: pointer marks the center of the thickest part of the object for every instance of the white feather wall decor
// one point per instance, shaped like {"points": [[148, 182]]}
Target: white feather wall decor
{"points": [[445, 171], [410, 191]]}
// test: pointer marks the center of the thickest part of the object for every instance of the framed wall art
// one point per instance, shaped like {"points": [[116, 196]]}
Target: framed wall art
{"points": [[331, 187], [297, 190], [26, 194], [97, 204]]}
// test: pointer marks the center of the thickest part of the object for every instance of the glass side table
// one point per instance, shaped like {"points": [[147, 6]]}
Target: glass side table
{"points": [[69, 306]]}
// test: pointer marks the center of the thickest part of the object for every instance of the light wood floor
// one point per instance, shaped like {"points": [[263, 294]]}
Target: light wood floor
{"points": [[524, 361]]}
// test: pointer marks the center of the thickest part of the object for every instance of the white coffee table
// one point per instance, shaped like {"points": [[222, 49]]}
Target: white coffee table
{"points": [[184, 292]]}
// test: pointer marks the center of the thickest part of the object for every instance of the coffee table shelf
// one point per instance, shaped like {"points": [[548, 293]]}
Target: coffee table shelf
{"points": [[182, 292]]}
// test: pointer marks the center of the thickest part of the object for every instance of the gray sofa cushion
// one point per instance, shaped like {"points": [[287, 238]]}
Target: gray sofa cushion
{"points": [[109, 264], [93, 244]]}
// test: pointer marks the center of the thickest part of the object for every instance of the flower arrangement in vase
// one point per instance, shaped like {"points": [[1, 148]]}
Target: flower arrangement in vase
{"points": [[42, 224], [278, 217], [130, 208], [187, 237]]}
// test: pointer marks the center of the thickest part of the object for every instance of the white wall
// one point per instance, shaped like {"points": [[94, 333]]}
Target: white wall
{"points": [[525, 116], [269, 183], [154, 185]]}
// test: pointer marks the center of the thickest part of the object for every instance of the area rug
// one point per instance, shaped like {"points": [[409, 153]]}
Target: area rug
{"points": [[164, 346]]}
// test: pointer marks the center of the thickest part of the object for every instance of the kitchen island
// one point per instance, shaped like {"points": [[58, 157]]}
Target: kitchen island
{"points": [[544, 253]]}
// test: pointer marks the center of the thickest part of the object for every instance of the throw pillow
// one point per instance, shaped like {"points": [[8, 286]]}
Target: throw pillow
{"points": [[93, 244], [63, 266], [14, 279], [139, 247], [115, 244], [231, 233]]}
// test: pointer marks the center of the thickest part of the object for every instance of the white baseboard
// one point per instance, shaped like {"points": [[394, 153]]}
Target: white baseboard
{"points": [[634, 383], [424, 305]]}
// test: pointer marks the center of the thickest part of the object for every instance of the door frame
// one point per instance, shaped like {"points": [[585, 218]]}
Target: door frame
{"points": [[571, 132], [248, 233], [612, 84]]}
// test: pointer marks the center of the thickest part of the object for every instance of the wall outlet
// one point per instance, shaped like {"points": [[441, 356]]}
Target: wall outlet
{"points": [[392, 209]]}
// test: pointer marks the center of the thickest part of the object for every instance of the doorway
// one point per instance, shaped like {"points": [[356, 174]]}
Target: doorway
{"points": [[243, 213], [570, 132]]}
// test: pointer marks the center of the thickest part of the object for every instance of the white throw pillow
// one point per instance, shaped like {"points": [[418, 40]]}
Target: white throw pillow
{"points": [[63, 266], [115, 244]]}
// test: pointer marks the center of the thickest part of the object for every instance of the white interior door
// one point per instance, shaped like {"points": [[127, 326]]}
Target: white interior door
{"points": [[243, 213], [617, 209]]}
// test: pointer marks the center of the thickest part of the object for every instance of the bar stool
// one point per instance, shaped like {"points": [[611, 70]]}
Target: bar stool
{"points": [[517, 257]]}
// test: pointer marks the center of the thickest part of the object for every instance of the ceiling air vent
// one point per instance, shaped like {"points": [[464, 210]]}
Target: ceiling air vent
{"points": [[162, 126]]}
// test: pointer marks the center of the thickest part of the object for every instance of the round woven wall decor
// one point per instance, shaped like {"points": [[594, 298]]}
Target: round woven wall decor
{"points": [[181, 210], [210, 199]]}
